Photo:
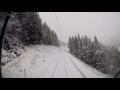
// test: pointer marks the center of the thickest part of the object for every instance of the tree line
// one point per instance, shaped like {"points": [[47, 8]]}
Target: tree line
{"points": [[26, 28], [49, 37], [104, 58]]}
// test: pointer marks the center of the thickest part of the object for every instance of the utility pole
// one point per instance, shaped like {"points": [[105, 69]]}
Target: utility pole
{"points": [[25, 73], [2, 36]]}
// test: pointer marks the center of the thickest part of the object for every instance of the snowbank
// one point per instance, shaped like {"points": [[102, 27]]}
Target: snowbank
{"points": [[33, 56], [87, 70]]}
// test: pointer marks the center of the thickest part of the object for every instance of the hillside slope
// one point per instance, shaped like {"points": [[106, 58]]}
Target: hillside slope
{"points": [[33, 57], [114, 41]]}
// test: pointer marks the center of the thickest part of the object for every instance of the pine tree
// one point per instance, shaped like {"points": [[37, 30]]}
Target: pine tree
{"points": [[49, 36], [31, 27], [44, 34], [72, 45], [96, 43], [56, 40], [69, 43], [52, 38], [95, 54], [79, 46], [75, 46]]}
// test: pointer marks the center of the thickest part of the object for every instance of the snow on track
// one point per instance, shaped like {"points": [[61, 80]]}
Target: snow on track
{"points": [[48, 62], [86, 70]]}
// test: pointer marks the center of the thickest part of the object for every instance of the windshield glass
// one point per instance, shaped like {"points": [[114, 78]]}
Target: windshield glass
{"points": [[60, 45]]}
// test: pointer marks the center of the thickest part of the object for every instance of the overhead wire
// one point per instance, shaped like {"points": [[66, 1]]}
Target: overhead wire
{"points": [[58, 23]]}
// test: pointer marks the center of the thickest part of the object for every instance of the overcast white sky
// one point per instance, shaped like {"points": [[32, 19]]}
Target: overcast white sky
{"points": [[102, 24]]}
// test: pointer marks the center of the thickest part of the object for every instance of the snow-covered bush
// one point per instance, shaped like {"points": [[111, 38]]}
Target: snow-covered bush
{"points": [[104, 59]]}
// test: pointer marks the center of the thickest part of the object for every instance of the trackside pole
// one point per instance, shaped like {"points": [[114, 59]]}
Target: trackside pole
{"points": [[25, 73]]}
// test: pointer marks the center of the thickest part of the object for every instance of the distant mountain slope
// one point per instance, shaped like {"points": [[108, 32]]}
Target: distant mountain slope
{"points": [[114, 41], [119, 48]]}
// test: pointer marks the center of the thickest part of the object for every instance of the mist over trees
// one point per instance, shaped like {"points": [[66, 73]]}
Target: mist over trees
{"points": [[23, 29], [49, 37], [103, 58]]}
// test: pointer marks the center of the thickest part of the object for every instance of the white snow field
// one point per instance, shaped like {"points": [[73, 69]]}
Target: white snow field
{"points": [[48, 62]]}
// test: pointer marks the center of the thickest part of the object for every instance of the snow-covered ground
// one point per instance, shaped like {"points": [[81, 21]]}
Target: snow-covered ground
{"points": [[48, 62], [33, 57]]}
